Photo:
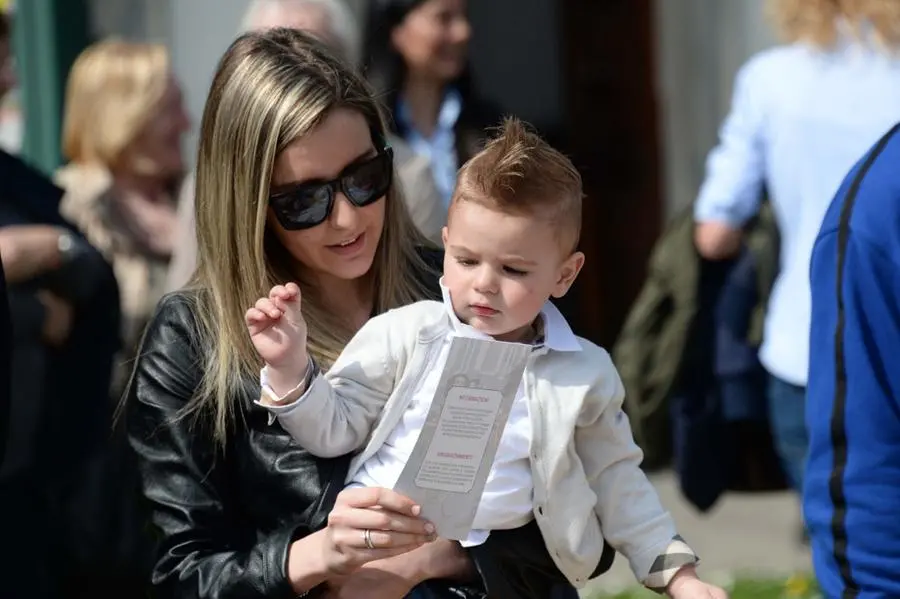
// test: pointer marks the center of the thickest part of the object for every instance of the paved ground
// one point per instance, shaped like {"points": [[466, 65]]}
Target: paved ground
{"points": [[743, 533]]}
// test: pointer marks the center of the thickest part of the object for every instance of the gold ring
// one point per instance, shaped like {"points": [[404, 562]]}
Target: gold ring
{"points": [[367, 537]]}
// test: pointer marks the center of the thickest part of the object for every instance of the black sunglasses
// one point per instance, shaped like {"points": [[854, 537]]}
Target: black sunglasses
{"points": [[310, 203]]}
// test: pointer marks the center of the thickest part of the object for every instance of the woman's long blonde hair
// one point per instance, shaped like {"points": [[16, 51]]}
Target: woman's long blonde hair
{"points": [[113, 89], [270, 89], [816, 21]]}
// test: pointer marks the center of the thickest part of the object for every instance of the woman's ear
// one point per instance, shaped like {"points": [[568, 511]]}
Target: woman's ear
{"points": [[397, 38]]}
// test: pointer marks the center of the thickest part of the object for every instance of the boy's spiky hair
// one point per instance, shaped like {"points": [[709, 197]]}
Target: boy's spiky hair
{"points": [[518, 172]]}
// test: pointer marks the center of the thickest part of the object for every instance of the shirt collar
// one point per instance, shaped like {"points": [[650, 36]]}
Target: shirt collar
{"points": [[858, 38], [558, 335], [448, 115]]}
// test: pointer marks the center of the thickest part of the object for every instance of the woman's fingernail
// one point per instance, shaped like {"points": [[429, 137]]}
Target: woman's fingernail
{"points": [[429, 528], [416, 510]]}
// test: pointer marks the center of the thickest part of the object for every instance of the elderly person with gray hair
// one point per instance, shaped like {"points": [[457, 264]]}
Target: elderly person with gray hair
{"points": [[334, 23]]}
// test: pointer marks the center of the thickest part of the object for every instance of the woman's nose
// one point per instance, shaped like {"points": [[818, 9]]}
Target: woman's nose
{"points": [[344, 215], [462, 30], [8, 78]]}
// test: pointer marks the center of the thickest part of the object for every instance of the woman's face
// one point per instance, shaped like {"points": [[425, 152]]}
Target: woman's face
{"points": [[434, 39], [157, 149], [344, 245], [7, 73]]}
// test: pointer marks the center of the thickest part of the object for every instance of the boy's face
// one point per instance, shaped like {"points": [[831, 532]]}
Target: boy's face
{"points": [[501, 268]]}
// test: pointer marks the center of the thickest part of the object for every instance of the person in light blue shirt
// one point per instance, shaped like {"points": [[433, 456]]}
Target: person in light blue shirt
{"points": [[802, 115], [417, 57]]}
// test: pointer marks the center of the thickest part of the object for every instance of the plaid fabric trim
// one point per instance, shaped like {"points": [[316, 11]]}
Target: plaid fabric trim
{"points": [[676, 556]]}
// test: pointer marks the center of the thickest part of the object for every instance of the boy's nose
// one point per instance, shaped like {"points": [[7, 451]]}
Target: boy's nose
{"points": [[486, 281]]}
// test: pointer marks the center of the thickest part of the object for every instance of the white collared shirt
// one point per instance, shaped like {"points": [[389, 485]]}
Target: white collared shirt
{"points": [[440, 146], [507, 501]]}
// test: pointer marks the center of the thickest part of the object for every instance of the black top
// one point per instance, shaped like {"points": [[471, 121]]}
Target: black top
{"points": [[5, 355], [55, 410]]}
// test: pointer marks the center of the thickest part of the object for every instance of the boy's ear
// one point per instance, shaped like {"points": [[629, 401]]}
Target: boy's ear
{"points": [[568, 272]]}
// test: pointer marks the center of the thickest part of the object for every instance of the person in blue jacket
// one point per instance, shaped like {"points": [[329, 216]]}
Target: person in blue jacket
{"points": [[852, 483]]}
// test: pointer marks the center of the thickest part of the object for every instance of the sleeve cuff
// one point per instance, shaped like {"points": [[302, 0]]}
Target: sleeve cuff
{"points": [[275, 565], [28, 314], [276, 405], [676, 556], [732, 215]]}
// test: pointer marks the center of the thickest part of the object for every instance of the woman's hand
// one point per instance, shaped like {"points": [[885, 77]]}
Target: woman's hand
{"points": [[369, 524], [372, 583], [29, 250], [57, 319], [278, 332], [157, 222], [394, 529], [441, 559], [395, 577]]}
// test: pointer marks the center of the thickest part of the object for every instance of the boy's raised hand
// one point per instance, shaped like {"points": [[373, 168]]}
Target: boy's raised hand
{"points": [[278, 332]]}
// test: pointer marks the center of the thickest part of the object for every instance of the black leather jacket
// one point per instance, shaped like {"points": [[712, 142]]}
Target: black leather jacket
{"points": [[225, 519]]}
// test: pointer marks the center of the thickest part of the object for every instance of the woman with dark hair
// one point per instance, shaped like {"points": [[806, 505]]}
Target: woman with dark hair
{"points": [[417, 54]]}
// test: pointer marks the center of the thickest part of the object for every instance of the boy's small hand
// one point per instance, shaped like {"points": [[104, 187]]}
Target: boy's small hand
{"points": [[278, 332], [686, 585]]}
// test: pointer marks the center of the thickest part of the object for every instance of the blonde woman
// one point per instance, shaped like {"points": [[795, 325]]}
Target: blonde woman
{"points": [[294, 182], [802, 115], [124, 119], [333, 22]]}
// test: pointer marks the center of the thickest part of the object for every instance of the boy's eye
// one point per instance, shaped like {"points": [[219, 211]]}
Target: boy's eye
{"points": [[465, 261], [514, 271]]}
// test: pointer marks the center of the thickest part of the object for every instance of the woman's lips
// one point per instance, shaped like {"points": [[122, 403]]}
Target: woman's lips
{"points": [[348, 249]]}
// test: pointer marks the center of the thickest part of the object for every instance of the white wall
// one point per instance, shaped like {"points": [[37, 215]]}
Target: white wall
{"points": [[132, 19], [201, 31], [196, 31], [702, 43]]}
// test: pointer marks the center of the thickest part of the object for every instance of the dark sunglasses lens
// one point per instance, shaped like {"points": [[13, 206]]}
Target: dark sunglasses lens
{"points": [[305, 206], [369, 181]]}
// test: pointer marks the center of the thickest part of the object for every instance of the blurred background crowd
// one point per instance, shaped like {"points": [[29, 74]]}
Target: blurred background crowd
{"points": [[99, 105]]}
